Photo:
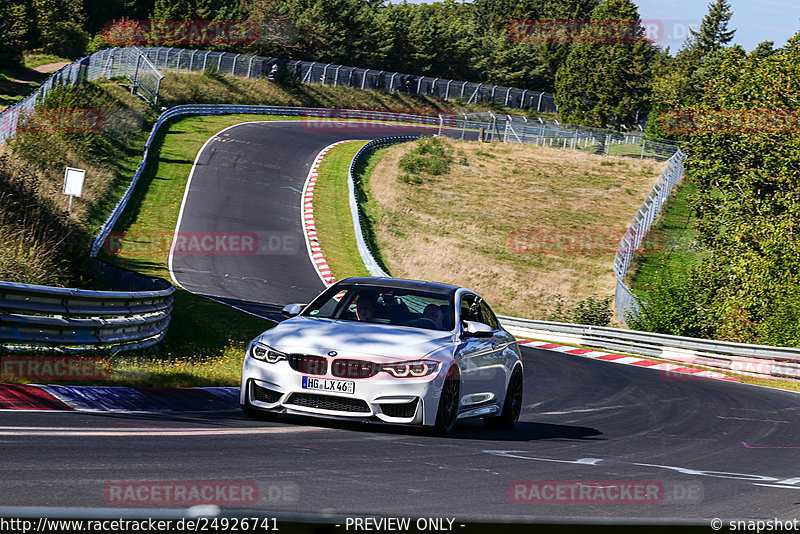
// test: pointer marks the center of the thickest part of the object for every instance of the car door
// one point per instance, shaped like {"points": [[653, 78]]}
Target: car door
{"points": [[477, 358], [499, 367]]}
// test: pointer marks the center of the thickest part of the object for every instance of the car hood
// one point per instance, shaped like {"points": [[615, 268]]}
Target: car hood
{"points": [[312, 335]]}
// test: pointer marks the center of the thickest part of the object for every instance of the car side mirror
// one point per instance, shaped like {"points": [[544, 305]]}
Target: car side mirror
{"points": [[292, 310], [476, 329]]}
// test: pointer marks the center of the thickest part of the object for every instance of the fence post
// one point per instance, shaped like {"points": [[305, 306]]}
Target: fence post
{"points": [[219, 61], [364, 78], [441, 122], [419, 83], [508, 93], [205, 60], [233, 66], [463, 87], [641, 156], [447, 90], [522, 99], [325, 73], [539, 104], [250, 66]]}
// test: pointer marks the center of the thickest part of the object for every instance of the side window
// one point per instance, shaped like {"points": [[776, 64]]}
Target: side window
{"points": [[489, 316], [466, 315]]}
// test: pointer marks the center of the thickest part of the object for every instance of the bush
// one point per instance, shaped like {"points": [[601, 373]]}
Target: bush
{"points": [[593, 311], [431, 155], [675, 305]]}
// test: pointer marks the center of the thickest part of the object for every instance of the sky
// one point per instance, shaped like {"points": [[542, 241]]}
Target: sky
{"points": [[754, 20]]}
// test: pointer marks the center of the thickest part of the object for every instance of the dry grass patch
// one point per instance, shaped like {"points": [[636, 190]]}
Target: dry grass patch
{"points": [[520, 225]]}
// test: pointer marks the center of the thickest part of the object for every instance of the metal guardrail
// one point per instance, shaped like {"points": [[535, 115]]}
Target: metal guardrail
{"points": [[757, 360], [363, 249], [81, 319]]}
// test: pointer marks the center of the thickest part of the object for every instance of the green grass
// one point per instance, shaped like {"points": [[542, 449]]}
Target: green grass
{"points": [[331, 214], [671, 244]]}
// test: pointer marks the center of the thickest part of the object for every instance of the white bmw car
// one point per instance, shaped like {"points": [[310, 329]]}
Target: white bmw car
{"points": [[387, 350]]}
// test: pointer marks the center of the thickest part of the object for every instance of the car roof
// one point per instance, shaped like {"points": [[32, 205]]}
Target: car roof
{"points": [[399, 283]]}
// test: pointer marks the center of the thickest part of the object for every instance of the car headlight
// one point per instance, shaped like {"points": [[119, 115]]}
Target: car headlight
{"points": [[411, 369], [262, 352]]}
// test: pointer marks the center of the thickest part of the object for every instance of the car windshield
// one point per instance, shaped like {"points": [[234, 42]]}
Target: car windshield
{"points": [[402, 307]]}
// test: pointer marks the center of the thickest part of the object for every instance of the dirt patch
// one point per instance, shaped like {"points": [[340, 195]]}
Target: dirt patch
{"points": [[520, 225]]}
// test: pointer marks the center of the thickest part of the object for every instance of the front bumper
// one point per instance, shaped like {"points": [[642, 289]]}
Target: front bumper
{"points": [[278, 388]]}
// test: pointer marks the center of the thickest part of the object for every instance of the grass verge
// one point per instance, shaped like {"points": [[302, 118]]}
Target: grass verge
{"points": [[332, 215], [671, 243]]}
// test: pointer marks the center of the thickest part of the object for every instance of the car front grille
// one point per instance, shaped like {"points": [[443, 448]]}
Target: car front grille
{"points": [[328, 402], [265, 394], [354, 368], [308, 364], [404, 410]]}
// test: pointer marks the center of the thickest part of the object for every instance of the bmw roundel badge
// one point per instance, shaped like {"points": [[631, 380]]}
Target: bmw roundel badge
{"points": [[333, 353]]}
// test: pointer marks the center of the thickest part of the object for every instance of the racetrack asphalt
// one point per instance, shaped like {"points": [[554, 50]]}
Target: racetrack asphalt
{"points": [[716, 449]]}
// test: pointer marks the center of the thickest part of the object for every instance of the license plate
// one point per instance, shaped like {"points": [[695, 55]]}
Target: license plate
{"points": [[324, 384]]}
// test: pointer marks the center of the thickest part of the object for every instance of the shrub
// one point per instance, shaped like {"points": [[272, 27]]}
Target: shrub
{"points": [[431, 155], [593, 311]]}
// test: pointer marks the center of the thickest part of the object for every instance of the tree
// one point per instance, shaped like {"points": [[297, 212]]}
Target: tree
{"points": [[60, 26], [745, 162], [606, 77], [713, 33], [13, 27]]}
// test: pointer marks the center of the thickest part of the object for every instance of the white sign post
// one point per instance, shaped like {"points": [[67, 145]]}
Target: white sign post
{"points": [[73, 183]]}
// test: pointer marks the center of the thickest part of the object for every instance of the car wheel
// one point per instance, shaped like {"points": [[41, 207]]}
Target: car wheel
{"points": [[448, 403], [255, 413], [512, 405]]}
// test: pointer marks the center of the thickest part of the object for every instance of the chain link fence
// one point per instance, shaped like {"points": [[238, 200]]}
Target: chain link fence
{"points": [[491, 127], [626, 302], [142, 76], [311, 72]]}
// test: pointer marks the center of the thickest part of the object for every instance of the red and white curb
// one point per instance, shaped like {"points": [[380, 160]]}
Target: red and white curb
{"points": [[670, 369], [309, 227]]}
